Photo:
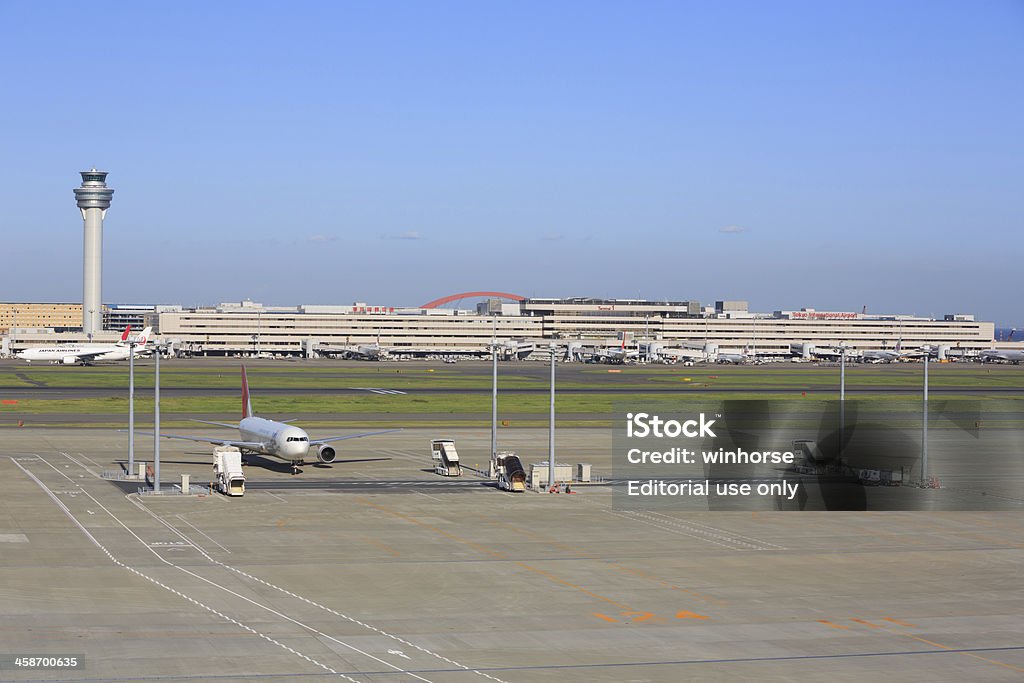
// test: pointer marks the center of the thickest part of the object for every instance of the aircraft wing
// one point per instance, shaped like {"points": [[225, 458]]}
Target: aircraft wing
{"points": [[87, 357], [219, 424], [317, 442], [204, 439]]}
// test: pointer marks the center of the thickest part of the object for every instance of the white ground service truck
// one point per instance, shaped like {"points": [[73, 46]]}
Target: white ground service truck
{"points": [[227, 471]]}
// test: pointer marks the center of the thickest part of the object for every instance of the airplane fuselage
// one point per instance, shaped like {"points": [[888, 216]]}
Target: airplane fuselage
{"points": [[1007, 356], [70, 353], [278, 439]]}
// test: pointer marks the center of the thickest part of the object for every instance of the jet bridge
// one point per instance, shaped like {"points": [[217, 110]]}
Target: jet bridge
{"points": [[446, 458]]}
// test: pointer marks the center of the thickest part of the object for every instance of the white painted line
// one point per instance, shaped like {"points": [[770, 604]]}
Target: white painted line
{"points": [[158, 583], [203, 534], [83, 455], [722, 531], [13, 538], [133, 499], [80, 465]]}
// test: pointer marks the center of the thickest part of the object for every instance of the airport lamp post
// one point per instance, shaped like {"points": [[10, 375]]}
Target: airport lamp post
{"points": [[924, 425], [842, 400], [551, 428], [131, 407], [494, 401], [156, 422]]}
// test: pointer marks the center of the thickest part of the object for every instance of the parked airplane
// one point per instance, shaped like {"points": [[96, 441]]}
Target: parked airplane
{"points": [[869, 356], [615, 355], [1004, 356], [658, 352], [276, 439], [84, 354], [359, 352]]}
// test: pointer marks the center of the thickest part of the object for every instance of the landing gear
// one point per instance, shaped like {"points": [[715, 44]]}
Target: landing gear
{"points": [[295, 469]]}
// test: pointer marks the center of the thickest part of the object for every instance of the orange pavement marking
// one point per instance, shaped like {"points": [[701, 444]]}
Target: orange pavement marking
{"points": [[867, 623], [686, 614], [382, 545], [641, 616], [946, 647], [897, 621], [829, 623], [605, 617]]}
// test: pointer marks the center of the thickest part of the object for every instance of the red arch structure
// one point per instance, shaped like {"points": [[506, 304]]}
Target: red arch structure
{"points": [[471, 295]]}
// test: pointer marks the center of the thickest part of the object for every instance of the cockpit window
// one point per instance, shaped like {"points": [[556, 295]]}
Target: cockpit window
{"points": [[298, 438]]}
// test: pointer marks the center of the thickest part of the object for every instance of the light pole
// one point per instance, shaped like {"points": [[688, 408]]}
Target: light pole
{"points": [[842, 400], [156, 422], [494, 389], [924, 425], [131, 406], [551, 428]]}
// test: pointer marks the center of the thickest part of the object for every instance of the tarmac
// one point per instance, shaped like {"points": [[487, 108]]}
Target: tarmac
{"points": [[375, 569]]}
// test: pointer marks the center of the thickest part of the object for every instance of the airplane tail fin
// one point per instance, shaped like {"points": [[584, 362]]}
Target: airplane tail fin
{"points": [[246, 403], [127, 331], [144, 336]]}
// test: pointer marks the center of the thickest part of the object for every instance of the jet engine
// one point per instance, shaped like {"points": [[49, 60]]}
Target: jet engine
{"points": [[69, 360], [325, 453]]}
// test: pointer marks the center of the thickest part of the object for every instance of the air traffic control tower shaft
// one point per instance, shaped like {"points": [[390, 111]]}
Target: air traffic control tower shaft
{"points": [[93, 201]]}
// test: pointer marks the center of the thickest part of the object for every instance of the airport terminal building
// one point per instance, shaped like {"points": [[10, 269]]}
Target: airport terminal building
{"points": [[310, 330]]}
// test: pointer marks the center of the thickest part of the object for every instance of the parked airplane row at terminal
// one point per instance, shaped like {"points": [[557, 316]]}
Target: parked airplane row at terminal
{"points": [[84, 354]]}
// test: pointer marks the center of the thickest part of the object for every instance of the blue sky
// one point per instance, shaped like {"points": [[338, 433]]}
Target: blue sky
{"points": [[823, 154]]}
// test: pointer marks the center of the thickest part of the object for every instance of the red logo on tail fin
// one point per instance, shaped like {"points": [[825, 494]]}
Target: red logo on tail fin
{"points": [[127, 331]]}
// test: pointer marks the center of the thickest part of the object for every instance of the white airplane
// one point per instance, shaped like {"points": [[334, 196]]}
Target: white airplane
{"points": [[869, 356], [360, 352], [733, 358], [277, 439], [1005, 356], [84, 354], [616, 356]]}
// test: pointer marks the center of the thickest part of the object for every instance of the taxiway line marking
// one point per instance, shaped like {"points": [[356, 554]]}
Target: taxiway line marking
{"points": [[135, 571], [940, 645], [306, 600], [225, 588], [832, 625], [377, 543], [203, 534]]}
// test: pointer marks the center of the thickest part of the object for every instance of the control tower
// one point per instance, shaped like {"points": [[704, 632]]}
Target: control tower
{"points": [[93, 200]]}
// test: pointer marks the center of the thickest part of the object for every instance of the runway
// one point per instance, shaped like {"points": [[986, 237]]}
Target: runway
{"points": [[65, 393]]}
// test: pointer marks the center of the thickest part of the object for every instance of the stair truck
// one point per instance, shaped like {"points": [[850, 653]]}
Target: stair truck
{"points": [[510, 473], [446, 458], [227, 471]]}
